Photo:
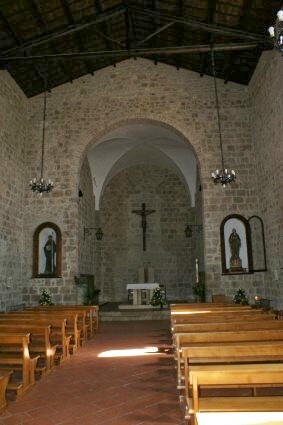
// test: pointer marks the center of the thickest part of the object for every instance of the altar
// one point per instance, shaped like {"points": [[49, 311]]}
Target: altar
{"points": [[142, 292]]}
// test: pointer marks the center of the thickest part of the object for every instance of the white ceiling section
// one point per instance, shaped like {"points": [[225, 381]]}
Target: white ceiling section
{"points": [[141, 144]]}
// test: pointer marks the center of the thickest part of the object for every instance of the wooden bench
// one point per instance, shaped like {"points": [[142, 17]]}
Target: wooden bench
{"points": [[183, 340], [92, 313], [219, 354], [76, 322], [39, 342], [226, 326], [238, 376], [4, 379], [224, 317], [14, 354], [71, 327], [240, 418], [58, 335]]}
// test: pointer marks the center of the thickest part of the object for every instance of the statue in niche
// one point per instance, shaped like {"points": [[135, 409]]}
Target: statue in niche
{"points": [[235, 245], [50, 252]]}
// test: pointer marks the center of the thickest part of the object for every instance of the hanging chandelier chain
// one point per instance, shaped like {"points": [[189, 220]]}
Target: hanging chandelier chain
{"points": [[43, 128], [217, 106], [42, 186]]}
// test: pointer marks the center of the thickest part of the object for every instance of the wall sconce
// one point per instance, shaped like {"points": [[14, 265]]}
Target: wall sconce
{"points": [[99, 233], [189, 229]]}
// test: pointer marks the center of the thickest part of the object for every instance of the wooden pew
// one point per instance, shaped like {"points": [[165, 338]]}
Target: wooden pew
{"points": [[239, 376], [92, 317], [184, 340], [227, 326], [58, 335], [219, 354], [14, 354], [4, 379], [224, 317], [39, 342], [71, 327], [240, 418]]}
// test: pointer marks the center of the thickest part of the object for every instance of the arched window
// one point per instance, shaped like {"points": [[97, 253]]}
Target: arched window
{"points": [[47, 248]]}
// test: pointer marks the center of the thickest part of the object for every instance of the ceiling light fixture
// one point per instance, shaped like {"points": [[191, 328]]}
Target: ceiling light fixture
{"points": [[223, 176], [40, 185], [276, 32]]}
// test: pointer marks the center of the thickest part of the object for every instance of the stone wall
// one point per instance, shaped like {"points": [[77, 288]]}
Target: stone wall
{"points": [[168, 251], [79, 114], [266, 93], [13, 129]]}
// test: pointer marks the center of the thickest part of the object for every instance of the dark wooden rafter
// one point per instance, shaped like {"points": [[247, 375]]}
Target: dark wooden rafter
{"points": [[128, 30], [137, 52], [229, 64], [77, 36], [180, 28], [212, 28], [37, 13], [106, 15], [18, 41], [211, 18], [104, 26]]}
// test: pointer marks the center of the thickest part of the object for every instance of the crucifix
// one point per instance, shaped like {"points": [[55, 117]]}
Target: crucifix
{"points": [[143, 213]]}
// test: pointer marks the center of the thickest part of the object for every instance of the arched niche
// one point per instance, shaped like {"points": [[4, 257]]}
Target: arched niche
{"points": [[257, 243], [236, 253], [47, 251]]}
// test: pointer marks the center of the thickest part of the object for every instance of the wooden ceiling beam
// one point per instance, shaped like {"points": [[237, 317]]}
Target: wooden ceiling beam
{"points": [[77, 36], [136, 52], [209, 27], [18, 41], [106, 15]]}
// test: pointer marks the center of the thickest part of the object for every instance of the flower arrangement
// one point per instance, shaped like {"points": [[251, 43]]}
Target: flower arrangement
{"points": [[241, 297], [45, 298], [158, 297]]}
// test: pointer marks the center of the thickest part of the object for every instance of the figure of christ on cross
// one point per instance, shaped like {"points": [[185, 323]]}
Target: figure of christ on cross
{"points": [[143, 213]]}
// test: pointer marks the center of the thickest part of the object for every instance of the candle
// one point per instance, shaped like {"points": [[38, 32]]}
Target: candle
{"points": [[197, 275]]}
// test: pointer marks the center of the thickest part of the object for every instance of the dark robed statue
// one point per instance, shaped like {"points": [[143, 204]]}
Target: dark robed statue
{"points": [[235, 245], [50, 253]]}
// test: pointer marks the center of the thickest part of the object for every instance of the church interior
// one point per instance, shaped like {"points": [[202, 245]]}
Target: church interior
{"points": [[141, 171]]}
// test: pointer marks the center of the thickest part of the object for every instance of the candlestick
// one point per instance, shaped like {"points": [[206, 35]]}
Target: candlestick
{"points": [[197, 274]]}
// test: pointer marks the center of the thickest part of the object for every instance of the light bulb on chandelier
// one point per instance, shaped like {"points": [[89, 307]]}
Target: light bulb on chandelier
{"points": [[41, 185], [223, 176], [276, 32]]}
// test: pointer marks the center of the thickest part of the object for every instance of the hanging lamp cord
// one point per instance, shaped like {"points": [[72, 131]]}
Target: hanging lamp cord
{"points": [[217, 107], [43, 125]]}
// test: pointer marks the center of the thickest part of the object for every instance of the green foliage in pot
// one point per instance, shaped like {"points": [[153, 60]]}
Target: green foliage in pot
{"points": [[241, 297], [45, 298], [158, 297], [90, 296]]}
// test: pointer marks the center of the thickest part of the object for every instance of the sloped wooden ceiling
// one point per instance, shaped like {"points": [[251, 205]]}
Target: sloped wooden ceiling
{"points": [[65, 39]]}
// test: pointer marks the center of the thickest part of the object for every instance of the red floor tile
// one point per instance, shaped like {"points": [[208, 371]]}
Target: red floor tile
{"points": [[88, 390]]}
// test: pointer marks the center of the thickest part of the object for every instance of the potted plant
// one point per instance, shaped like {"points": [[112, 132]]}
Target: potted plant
{"points": [[45, 298], [158, 297], [90, 296], [199, 288], [241, 297]]}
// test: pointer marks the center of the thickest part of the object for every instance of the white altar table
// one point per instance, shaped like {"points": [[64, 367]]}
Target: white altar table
{"points": [[137, 291]]}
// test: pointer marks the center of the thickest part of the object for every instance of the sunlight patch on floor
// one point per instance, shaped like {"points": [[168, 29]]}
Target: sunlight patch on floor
{"points": [[133, 352]]}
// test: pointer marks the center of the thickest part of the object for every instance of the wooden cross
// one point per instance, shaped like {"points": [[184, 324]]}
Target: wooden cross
{"points": [[143, 213]]}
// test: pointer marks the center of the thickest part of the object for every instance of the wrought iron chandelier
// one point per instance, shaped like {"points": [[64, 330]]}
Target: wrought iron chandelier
{"points": [[223, 176], [40, 185], [276, 32]]}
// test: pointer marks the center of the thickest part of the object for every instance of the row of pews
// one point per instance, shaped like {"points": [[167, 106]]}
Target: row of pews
{"points": [[34, 340], [229, 358]]}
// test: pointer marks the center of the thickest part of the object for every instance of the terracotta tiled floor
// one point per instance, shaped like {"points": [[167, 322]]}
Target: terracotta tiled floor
{"points": [[88, 390]]}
